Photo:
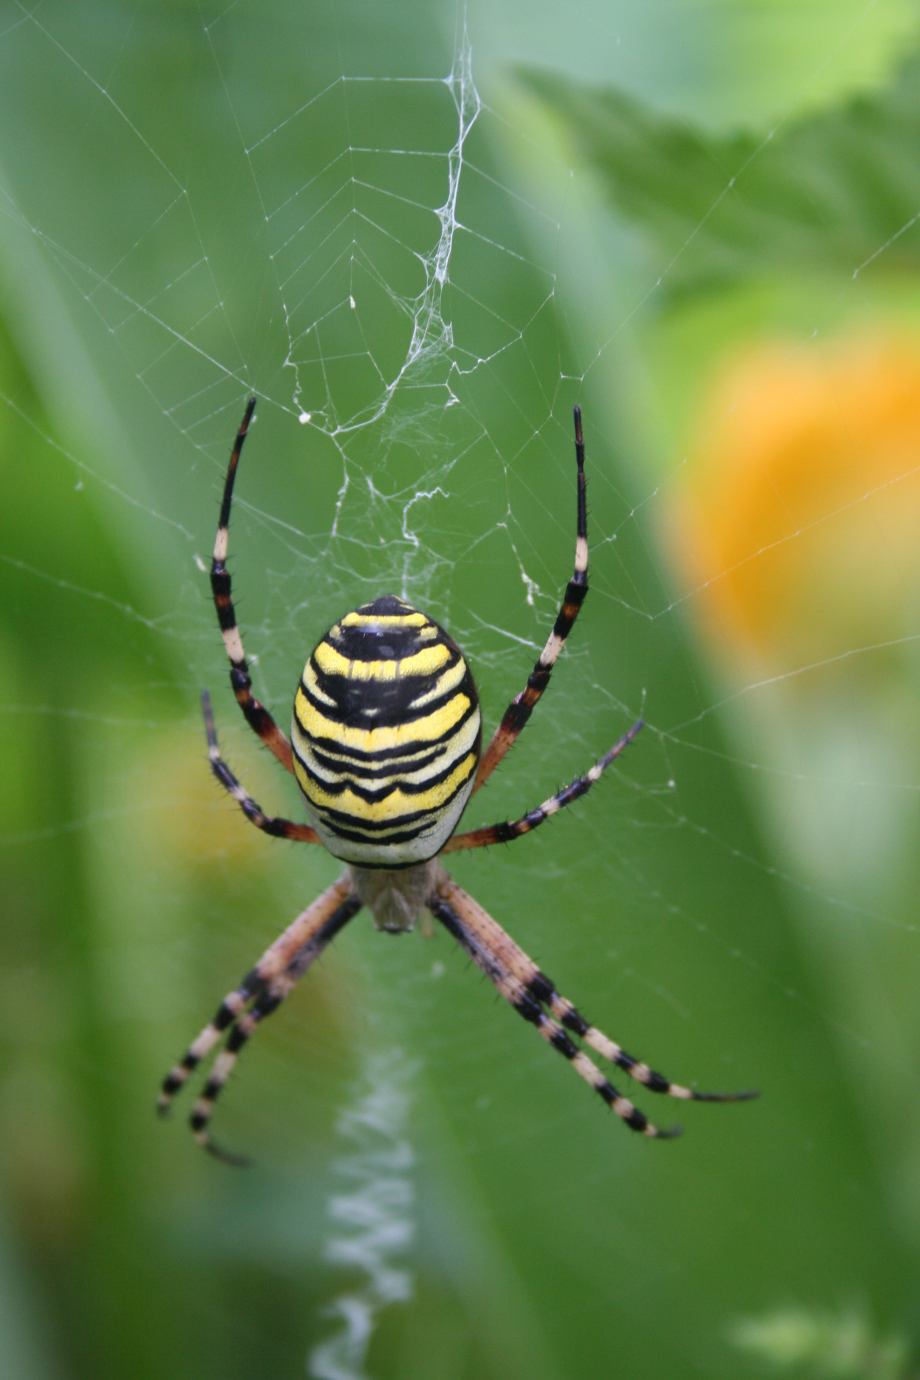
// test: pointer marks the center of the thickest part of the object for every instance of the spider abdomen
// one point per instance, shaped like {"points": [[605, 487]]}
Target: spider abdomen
{"points": [[386, 735]]}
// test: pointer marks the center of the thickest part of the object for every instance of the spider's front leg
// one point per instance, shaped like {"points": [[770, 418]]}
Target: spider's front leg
{"points": [[522, 706], [528, 990], [256, 715], [266, 986]]}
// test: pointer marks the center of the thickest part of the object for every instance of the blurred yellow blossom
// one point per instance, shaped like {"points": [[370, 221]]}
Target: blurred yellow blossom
{"points": [[795, 529]]}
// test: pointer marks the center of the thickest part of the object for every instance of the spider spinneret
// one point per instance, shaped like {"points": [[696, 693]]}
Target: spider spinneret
{"points": [[385, 746]]}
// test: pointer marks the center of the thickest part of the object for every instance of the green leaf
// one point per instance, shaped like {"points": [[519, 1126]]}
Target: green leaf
{"points": [[828, 192]]}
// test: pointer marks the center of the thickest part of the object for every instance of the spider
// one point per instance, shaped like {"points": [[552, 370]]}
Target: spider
{"points": [[385, 746]]}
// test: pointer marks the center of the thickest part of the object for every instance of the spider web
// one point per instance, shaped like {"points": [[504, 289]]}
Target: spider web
{"points": [[416, 284]]}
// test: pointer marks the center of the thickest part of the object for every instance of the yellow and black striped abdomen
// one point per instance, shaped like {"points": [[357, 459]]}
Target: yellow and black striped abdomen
{"points": [[386, 736]]}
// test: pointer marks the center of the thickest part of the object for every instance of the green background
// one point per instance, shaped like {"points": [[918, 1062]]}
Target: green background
{"points": [[189, 198]]}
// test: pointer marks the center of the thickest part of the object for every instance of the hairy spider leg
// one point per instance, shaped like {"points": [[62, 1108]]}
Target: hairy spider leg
{"points": [[273, 977], [269, 824], [273, 961], [232, 1006], [543, 989], [257, 716], [495, 953], [522, 706], [504, 833], [527, 989]]}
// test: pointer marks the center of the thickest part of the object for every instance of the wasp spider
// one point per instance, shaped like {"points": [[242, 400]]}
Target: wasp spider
{"points": [[385, 745]]}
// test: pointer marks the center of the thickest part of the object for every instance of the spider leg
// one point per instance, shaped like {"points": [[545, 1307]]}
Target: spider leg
{"points": [[521, 707], [257, 716], [542, 988], [266, 986], [232, 1006], [278, 828], [504, 833], [512, 972]]}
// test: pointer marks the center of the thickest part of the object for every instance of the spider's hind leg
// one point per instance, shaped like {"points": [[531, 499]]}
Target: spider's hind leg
{"points": [[267, 1002], [509, 968], [230, 1009], [273, 977], [528, 990], [542, 989]]}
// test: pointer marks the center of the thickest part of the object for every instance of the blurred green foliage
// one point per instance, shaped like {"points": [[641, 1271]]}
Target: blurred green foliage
{"points": [[191, 199], [841, 1344], [826, 191]]}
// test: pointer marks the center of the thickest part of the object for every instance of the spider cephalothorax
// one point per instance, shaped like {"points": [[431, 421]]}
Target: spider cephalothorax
{"points": [[385, 745]]}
